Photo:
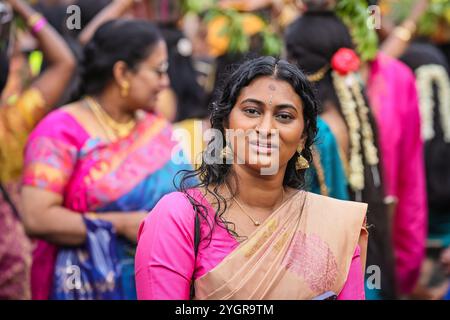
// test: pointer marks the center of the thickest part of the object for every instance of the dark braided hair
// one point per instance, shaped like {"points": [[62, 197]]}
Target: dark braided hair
{"points": [[217, 174]]}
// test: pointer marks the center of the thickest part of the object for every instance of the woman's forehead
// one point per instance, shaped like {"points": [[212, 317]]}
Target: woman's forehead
{"points": [[269, 87]]}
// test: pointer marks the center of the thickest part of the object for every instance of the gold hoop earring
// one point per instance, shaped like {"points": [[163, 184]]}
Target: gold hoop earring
{"points": [[125, 89], [302, 163]]}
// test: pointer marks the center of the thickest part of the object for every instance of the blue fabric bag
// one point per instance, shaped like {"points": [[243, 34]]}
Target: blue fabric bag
{"points": [[91, 271]]}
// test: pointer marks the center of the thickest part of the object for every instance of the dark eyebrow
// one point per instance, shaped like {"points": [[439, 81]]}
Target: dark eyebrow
{"points": [[279, 106], [258, 102], [287, 106]]}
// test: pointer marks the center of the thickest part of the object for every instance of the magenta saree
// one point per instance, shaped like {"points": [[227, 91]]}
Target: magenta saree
{"points": [[131, 174], [393, 96]]}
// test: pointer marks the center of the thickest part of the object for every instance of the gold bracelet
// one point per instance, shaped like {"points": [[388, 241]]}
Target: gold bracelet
{"points": [[92, 215], [410, 25], [402, 33]]}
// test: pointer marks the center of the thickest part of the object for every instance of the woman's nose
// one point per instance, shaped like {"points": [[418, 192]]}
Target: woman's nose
{"points": [[265, 125], [164, 81]]}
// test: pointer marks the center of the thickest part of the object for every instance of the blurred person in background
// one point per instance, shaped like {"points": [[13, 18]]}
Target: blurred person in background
{"points": [[17, 119], [433, 84], [100, 163], [320, 44], [393, 99], [418, 50]]}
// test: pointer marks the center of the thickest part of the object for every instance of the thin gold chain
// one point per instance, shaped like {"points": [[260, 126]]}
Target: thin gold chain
{"points": [[255, 222], [110, 134]]}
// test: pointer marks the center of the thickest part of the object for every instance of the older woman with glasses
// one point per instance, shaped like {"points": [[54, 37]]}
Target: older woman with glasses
{"points": [[96, 166], [18, 116]]}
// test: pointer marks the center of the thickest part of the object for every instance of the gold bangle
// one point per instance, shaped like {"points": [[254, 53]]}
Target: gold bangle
{"points": [[410, 25], [31, 22], [92, 215], [403, 33]]}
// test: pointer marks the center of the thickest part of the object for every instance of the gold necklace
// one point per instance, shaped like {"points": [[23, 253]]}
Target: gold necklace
{"points": [[255, 222], [120, 129]]}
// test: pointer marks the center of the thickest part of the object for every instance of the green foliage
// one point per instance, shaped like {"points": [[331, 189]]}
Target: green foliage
{"points": [[197, 6], [428, 23], [234, 30], [355, 15]]}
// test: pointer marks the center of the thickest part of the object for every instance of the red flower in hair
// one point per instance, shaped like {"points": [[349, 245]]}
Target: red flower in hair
{"points": [[344, 61]]}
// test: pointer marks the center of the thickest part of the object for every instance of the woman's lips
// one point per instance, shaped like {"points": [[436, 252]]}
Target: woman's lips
{"points": [[265, 147]]}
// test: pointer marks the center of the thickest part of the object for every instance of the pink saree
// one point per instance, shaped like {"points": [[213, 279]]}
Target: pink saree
{"points": [[130, 174], [393, 96]]}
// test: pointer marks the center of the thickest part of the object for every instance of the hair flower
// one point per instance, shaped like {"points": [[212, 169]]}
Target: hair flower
{"points": [[345, 61]]}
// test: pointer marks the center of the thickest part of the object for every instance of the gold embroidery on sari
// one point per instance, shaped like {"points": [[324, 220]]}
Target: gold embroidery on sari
{"points": [[256, 242]]}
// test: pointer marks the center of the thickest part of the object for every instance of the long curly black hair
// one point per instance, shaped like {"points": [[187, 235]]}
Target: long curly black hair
{"points": [[212, 176]]}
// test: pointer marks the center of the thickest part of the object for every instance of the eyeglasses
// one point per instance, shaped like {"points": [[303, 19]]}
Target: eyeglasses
{"points": [[162, 69]]}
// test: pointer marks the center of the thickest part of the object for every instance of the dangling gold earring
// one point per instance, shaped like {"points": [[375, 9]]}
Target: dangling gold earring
{"points": [[125, 89], [302, 163]]}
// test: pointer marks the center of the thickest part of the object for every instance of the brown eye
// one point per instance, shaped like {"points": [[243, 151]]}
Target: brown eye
{"points": [[251, 111], [285, 117]]}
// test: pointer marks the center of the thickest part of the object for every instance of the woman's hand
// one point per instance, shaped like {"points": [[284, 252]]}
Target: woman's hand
{"points": [[126, 224], [61, 62], [114, 10]]}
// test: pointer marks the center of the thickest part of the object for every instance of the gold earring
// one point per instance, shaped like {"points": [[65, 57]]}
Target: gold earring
{"points": [[302, 163], [125, 89]]}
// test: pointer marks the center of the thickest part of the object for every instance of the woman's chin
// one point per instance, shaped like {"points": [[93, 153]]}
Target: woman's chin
{"points": [[264, 165]]}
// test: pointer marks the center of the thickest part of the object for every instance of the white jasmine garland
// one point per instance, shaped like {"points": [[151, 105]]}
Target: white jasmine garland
{"points": [[349, 109], [428, 75], [370, 150]]}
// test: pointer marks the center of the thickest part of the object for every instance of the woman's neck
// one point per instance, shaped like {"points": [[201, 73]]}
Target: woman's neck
{"points": [[258, 191], [115, 107]]}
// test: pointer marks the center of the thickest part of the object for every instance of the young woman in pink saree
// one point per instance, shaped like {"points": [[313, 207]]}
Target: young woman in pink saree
{"points": [[242, 233]]}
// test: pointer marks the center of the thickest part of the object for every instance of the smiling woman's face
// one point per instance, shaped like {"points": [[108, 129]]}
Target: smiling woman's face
{"points": [[273, 112]]}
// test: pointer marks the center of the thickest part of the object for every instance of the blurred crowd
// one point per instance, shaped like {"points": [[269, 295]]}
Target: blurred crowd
{"points": [[91, 92]]}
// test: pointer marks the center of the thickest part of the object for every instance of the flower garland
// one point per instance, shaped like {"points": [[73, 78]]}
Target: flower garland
{"points": [[349, 109], [345, 63], [428, 75], [370, 150]]}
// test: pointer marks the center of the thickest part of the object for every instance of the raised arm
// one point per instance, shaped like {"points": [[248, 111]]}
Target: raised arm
{"points": [[400, 37], [114, 10], [54, 80]]}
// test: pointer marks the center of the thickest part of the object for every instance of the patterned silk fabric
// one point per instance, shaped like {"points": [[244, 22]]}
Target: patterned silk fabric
{"points": [[16, 121]]}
